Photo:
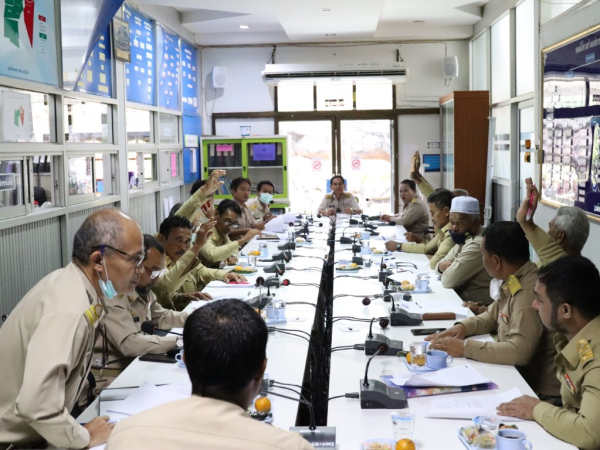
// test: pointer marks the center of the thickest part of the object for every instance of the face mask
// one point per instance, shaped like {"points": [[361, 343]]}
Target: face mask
{"points": [[459, 238], [106, 286], [266, 198], [495, 286]]}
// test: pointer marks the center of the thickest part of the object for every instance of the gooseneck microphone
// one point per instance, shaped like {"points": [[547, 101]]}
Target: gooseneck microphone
{"points": [[150, 327], [366, 379]]}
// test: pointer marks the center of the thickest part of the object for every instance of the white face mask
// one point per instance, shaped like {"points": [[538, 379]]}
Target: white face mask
{"points": [[495, 287], [266, 198]]}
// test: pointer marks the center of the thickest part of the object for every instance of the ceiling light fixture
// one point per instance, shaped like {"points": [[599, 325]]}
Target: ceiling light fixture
{"points": [[244, 27]]}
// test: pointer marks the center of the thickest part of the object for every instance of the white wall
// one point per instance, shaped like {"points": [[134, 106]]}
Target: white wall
{"points": [[414, 132], [246, 92]]}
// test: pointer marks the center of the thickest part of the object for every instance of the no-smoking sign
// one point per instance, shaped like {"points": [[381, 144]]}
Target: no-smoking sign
{"points": [[355, 163], [316, 164]]}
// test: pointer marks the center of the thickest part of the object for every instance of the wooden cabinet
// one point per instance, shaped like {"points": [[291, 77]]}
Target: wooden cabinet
{"points": [[464, 122]]}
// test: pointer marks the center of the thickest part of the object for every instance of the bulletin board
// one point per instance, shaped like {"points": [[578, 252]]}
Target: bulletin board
{"points": [[169, 62], [139, 73], [570, 166], [96, 78], [189, 78]]}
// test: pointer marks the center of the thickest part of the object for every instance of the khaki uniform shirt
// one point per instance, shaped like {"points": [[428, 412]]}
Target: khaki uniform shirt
{"points": [[217, 249], [522, 339], [346, 201], [246, 220], [257, 208], [200, 423], [425, 188], [578, 370], [414, 217], [435, 249], [121, 339], [46, 347], [466, 275], [547, 249], [192, 208]]}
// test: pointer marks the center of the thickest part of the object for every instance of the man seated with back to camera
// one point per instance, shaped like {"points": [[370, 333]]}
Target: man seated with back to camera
{"points": [[522, 340], [120, 339], [261, 204], [462, 269], [437, 248], [225, 354], [338, 202], [567, 302], [567, 233], [185, 276], [219, 248]]}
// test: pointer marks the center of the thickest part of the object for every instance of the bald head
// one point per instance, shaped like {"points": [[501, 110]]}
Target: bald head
{"points": [[110, 227]]}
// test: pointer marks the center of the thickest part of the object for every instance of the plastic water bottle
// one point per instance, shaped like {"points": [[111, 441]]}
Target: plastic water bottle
{"points": [[264, 251]]}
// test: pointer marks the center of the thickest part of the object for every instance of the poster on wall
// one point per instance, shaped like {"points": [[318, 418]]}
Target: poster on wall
{"points": [[122, 49], [169, 62], [139, 74], [570, 169], [16, 123], [96, 76], [189, 78], [28, 41]]}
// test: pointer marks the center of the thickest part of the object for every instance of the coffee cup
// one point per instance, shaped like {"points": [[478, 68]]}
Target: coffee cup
{"points": [[510, 439], [437, 359], [179, 359]]}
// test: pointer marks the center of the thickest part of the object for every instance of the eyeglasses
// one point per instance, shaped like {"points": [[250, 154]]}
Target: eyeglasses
{"points": [[229, 223], [155, 273], [134, 259]]}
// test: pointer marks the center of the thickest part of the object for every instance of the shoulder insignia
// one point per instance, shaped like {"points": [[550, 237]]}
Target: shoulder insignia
{"points": [[513, 285], [347, 195], [585, 351], [92, 314], [414, 200], [328, 196]]}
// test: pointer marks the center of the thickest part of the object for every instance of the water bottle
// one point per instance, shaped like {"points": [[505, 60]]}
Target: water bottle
{"points": [[264, 251]]}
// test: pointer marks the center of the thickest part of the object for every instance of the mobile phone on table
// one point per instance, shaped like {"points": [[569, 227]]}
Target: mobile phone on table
{"points": [[158, 358], [426, 331]]}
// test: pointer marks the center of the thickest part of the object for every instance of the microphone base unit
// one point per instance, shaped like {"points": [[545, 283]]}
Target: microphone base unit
{"points": [[379, 340], [271, 322], [273, 282], [357, 260], [275, 268], [400, 317], [378, 395], [387, 294], [321, 437], [383, 274], [345, 240], [287, 246]]}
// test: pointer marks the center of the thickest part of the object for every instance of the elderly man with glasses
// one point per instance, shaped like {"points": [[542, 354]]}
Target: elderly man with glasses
{"points": [[120, 339], [219, 248]]}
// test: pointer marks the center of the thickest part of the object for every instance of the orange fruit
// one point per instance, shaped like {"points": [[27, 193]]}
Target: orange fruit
{"points": [[407, 358], [405, 444], [262, 404]]}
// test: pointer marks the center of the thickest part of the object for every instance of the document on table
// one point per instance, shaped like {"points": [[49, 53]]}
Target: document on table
{"points": [[457, 376], [467, 407], [147, 396], [276, 224], [481, 338], [435, 306], [221, 284]]}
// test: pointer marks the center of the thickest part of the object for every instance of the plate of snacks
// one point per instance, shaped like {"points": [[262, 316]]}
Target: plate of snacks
{"points": [[254, 253], [244, 270], [379, 252], [261, 410], [388, 444], [352, 267]]}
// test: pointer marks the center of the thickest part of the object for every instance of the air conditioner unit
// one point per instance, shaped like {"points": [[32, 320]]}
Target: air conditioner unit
{"points": [[394, 72]]}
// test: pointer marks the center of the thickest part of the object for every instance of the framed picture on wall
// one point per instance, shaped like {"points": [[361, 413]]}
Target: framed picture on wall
{"points": [[570, 138], [122, 50]]}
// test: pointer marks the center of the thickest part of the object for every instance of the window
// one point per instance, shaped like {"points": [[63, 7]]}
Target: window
{"points": [[374, 95], [12, 192], [479, 63], [335, 96], [525, 51], [170, 166], [91, 176], [139, 126], [502, 151], [169, 128], [142, 168], [29, 119], [501, 74], [295, 96], [554, 8], [87, 122], [45, 174]]}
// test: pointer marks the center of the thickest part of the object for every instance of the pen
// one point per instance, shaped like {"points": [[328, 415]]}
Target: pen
{"points": [[383, 237], [530, 206], [418, 305]]}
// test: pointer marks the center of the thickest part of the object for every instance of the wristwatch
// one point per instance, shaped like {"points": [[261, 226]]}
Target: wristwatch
{"points": [[398, 246]]}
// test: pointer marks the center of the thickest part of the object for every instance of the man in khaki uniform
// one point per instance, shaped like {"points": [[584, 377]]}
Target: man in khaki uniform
{"points": [[462, 269], [567, 231], [413, 216], [185, 276], [120, 339], [338, 201], [219, 248], [567, 302], [260, 205], [47, 341], [522, 340], [437, 248], [240, 189], [225, 354]]}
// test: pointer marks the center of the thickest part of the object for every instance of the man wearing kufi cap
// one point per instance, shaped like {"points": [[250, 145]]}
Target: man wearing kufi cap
{"points": [[462, 269]]}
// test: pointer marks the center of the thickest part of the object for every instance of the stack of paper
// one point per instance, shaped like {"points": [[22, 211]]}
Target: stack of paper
{"points": [[277, 223], [463, 375], [435, 306], [147, 396]]}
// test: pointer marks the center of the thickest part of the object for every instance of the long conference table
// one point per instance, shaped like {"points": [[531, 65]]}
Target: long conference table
{"points": [[289, 356]]}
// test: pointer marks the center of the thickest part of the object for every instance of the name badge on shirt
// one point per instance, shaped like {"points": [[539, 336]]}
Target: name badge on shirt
{"points": [[136, 319], [569, 384]]}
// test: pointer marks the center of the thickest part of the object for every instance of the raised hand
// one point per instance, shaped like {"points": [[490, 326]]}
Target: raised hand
{"points": [[202, 235], [213, 183]]}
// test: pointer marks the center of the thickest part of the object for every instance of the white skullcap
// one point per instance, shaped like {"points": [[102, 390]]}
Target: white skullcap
{"points": [[465, 205]]}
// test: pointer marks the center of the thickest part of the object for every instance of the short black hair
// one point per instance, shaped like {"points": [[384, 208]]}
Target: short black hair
{"points": [[230, 205], [262, 183], [225, 345], [337, 176], [236, 183], [507, 240], [574, 280], [197, 185], [174, 209], [441, 198], [411, 184], [173, 222], [151, 242]]}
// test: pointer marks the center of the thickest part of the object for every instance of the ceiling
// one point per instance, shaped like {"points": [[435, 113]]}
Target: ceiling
{"points": [[297, 21]]}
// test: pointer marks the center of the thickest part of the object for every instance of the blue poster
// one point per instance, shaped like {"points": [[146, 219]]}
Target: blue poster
{"points": [[169, 61], [189, 78], [28, 41], [139, 72], [96, 77]]}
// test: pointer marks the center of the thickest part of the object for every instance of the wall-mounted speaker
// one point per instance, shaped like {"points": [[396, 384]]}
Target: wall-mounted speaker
{"points": [[450, 67], [219, 77]]}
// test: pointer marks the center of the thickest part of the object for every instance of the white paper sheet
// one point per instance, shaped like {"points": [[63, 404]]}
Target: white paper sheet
{"points": [[434, 306], [146, 397], [459, 407], [222, 284], [276, 224], [462, 375], [481, 338]]}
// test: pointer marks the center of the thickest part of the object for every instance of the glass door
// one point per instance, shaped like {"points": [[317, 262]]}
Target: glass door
{"points": [[366, 163]]}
